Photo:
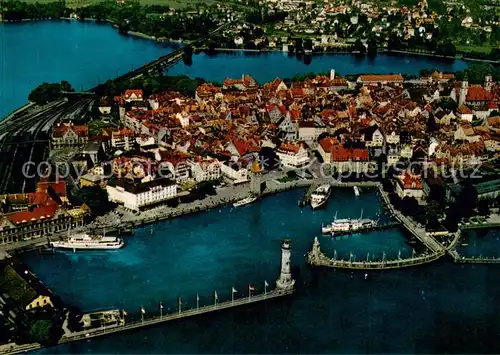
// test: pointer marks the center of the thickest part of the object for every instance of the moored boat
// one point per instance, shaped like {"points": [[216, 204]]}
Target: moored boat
{"points": [[346, 225], [245, 201], [89, 242], [320, 196]]}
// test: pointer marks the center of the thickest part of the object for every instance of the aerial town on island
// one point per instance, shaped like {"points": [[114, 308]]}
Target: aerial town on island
{"points": [[82, 169], [431, 144]]}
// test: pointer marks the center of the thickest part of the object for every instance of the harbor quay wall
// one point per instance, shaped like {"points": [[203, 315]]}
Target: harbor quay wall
{"points": [[281, 187], [271, 189]]}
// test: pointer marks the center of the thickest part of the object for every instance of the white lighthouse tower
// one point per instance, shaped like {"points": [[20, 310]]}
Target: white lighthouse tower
{"points": [[285, 281]]}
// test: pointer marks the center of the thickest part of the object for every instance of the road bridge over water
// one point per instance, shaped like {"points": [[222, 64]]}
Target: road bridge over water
{"points": [[159, 65]]}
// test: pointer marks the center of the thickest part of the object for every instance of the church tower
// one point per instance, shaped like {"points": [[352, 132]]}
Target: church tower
{"points": [[488, 82], [285, 281], [255, 178], [463, 91]]}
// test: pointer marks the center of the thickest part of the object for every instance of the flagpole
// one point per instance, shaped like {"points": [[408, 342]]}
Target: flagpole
{"points": [[197, 301], [265, 288], [142, 314], [161, 310], [232, 294], [180, 303]]}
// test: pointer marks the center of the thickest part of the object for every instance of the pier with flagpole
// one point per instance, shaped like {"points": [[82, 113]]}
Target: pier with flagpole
{"points": [[285, 285]]}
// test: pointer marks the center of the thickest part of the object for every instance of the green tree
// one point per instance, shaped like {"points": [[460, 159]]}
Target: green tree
{"points": [[446, 49], [48, 92], [95, 198], [359, 47], [40, 331], [372, 47]]}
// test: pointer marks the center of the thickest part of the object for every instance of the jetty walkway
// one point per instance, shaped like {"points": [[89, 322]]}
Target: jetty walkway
{"points": [[316, 258], [285, 285], [419, 232], [97, 332], [459, 259]]}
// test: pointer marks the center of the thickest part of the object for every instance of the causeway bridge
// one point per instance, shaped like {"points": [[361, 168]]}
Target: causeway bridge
{"points": [[316, 258], [166, 61]]}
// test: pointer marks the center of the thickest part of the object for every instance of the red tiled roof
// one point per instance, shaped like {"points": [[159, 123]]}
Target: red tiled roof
{"points": [[59, 187], [290, 147], [410, 181], [123, 132], [464, 110], [328, 143], [478, 93], [382, 78], [340, 153], [37, 214], [492, 105], [298, 92], [129, 93], [80, 130], [249, 82]]}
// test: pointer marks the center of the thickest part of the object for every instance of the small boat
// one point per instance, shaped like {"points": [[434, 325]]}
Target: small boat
{"points": [[320, 196], [46, 250], [356, 190], [245, 201]]}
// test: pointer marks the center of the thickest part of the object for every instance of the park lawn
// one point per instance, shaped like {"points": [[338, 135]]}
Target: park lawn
{"points": [[486, 48]]}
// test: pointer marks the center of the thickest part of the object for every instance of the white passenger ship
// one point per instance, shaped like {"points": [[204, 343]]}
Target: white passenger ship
{"points": [[346, 225], [87, 241], [320, 196]]}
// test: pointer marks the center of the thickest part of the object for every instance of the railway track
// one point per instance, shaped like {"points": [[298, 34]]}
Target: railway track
{"points": [[26, 137]]}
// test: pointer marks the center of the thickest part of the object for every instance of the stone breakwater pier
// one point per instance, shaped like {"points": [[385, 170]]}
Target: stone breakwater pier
{"points": [[435, 250], [316, 258], [285, 285]]}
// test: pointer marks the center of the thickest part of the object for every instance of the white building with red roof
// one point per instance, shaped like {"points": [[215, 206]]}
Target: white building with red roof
{"points": [[123, 139], [464, 113], [293, 155], [245, 83], [205, 169], [133, 95], [68, 135], [409, 185]]}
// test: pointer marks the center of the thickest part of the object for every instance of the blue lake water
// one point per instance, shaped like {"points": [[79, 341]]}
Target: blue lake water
{"points": [[85, 54], [440, 307]]}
